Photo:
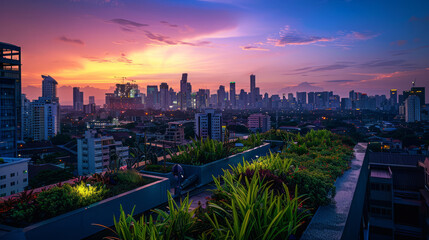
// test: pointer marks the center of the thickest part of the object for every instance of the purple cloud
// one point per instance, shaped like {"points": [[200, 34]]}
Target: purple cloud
{"points": [[254, 48], [127, 23], [70, 40]]}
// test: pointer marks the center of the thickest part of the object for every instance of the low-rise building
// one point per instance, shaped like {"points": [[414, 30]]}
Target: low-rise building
{"points": [[259, 122], [13, 175], [97, 153], [175, 133]]}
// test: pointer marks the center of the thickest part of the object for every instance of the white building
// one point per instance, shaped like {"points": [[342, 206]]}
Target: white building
{"points": [[259, 122], [45, 119], [412, 109], [96, 153], [13, 175], [209, 125]]}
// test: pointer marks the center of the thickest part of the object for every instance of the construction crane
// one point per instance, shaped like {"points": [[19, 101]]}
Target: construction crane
{"points": [[121, 78]]}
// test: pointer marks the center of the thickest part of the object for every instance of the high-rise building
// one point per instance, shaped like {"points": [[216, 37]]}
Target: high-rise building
{"points": [[420, 93], [202, 99], [301, 98], [152, 96], [164, 96], [10, 99], [26, 117], [221, 97], [183, 92], [45, 119], [77, 99], [252, 89], [49, 88], [259, 122], [91, 100], [312, 98], [97, 153], [393, 96], [125, 96], [209, 125], [412, 109], [232, 96]]}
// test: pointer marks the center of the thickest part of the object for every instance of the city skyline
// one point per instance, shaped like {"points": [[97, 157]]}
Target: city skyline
{"points": [[362, 46]]}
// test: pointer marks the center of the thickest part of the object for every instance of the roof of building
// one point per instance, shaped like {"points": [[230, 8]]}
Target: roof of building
{"points": [[392, 159], [9, 45]]}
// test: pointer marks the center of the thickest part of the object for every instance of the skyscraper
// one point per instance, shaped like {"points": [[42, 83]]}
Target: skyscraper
{"points": [[152, 96], [412, 109], [393, 96], [420, 93], [221, 97], [49, 88], [301, 97], [77, 99], [164, 96], [91, 100], [10, 98], [183, 91], [232, 96], [252, 89]]}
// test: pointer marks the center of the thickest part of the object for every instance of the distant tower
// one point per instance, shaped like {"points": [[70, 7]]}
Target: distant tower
{"points": [[252, 89], [232, 96], [49, 88], [77, 99]]}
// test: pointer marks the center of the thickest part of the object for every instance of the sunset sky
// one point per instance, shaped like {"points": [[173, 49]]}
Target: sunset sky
{"points": [[368, 46]]}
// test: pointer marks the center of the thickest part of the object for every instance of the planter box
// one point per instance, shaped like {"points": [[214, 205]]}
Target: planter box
{"points": [[77, 224], [206, 172], [168, 175]]}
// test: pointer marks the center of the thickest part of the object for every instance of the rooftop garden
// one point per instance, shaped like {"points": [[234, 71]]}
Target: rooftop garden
{"points": [[204, 151], [31, 207], [271, 198]]}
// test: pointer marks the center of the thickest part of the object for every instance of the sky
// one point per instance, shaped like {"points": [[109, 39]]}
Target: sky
{"points": [[290, 45]]}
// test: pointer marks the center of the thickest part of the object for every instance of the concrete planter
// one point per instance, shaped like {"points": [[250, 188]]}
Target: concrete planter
{"points": [[77, 224], [168, 175], [206, 172]]}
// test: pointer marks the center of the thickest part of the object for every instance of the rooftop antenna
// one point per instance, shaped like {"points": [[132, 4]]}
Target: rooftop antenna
{"points": [[122, 78], [414, 82]]}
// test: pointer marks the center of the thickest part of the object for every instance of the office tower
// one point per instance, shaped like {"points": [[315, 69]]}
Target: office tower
{"points": [[26, 117], [290, 97], [252, 99], [97, 153], [77, 99], [420, 93], [208, 124], [242, 99], [49, 88], [202, 99], [10, 99], [164, 96], [183, 91], [221, 97], [301, 98], [45, 119], [346, 104], [232, 96], [13, 175], [412, 109], [401, 99], [151, 96], [393, 96], [125, 96], [91, 100], [188, 95], [311, 98], [259, 122]]}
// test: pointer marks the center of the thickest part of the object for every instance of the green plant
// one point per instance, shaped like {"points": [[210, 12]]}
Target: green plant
{"points": [[200, 152], [158, 168], [253, 211]]}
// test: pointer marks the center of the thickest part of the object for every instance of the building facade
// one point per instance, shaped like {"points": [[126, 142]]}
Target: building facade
{"points": [[259, 122], [13, 175], [10, 99], [97, 153], [412, 109], [209, 125]]}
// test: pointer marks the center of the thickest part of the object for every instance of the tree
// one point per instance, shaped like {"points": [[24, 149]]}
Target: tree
{"points": [[140, 151]]}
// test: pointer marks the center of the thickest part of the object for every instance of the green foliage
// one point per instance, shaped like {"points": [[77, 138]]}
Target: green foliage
{"points": [[57, 200], [200, 152], [273, 162], [129, 176], [158, 168], [48, 177], [253, 211], [177, 223]]}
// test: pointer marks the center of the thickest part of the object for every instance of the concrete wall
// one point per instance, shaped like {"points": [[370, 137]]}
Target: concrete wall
{"points": [[78, 223]]}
